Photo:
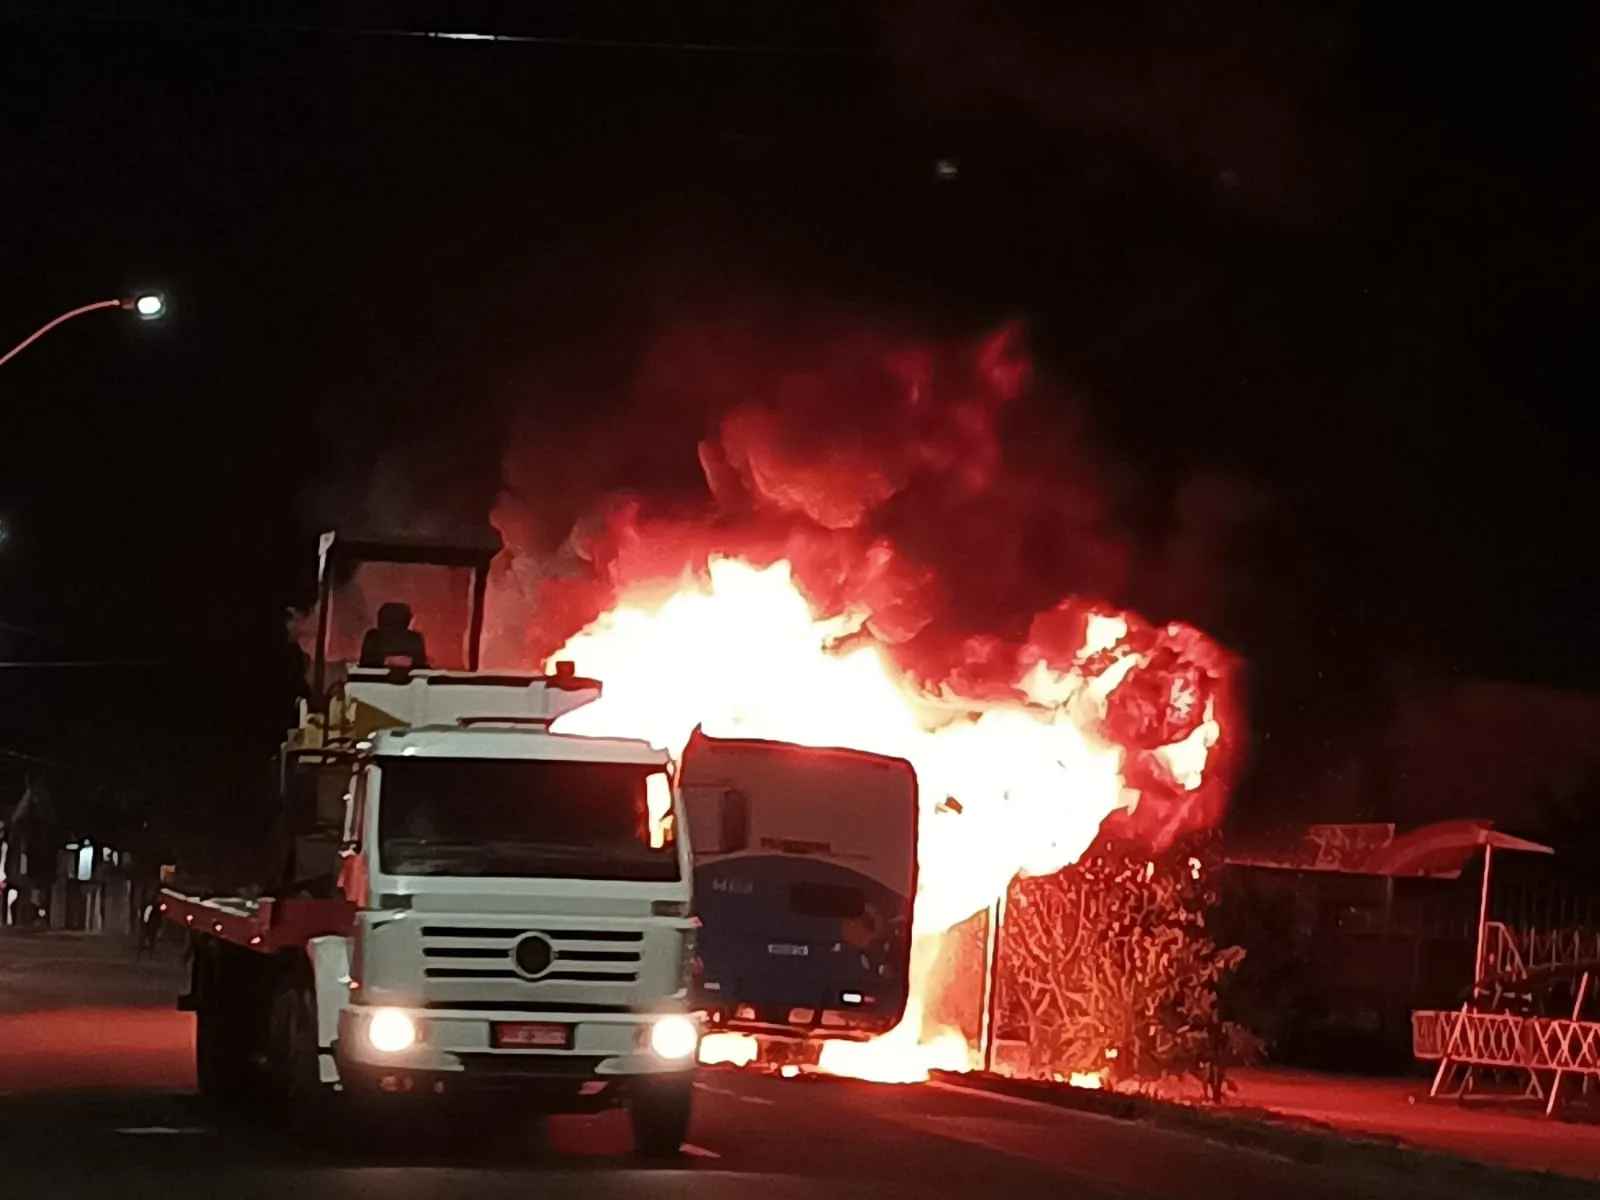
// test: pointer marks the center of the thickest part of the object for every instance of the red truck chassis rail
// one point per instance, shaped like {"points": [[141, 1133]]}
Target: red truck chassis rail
{"points": [[267, 925]]}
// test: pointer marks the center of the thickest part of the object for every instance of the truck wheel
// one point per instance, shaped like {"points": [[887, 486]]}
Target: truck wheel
{"points": [[208, 1055], [659, 1112], [218, 1064], [305, 1103]]}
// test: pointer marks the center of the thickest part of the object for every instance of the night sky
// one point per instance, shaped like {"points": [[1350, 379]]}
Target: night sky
{"points": [[1328, 256]]}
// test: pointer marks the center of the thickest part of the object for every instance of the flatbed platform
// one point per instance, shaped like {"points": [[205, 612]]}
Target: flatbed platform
{"points": [[268, 924]]}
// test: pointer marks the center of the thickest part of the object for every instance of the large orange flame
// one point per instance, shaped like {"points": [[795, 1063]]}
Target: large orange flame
{"points": [[739, 650]]}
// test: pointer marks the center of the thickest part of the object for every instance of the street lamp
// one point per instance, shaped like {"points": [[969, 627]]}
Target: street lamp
{"points": [[147, 306]]}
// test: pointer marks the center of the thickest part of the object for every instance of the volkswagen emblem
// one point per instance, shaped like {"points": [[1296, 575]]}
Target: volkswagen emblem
{"points": [[533, 954]]}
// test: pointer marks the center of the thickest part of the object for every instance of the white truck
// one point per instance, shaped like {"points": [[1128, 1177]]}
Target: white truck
{"points": [[461, 903]]}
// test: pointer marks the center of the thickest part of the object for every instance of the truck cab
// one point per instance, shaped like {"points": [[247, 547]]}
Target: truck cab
{"points": [[465, 903]]}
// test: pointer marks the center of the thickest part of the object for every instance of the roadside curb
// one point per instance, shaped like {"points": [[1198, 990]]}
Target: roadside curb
{"points": [[1312, 1143]]}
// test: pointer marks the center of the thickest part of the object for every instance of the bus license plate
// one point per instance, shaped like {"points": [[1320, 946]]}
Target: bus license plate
{"points": [[528, 1035]]}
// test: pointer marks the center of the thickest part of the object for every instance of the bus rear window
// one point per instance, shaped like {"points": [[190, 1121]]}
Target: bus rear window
{"points": [[827, 900]]}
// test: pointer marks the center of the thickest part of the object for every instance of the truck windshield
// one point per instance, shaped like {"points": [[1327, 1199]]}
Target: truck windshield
{"points": [[513, 817]]}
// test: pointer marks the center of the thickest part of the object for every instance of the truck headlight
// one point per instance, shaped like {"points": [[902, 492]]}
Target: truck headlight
{"points": [[675, 1037], [389, 1031]]}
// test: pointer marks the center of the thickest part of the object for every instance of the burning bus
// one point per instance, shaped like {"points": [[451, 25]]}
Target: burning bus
{"points": [[805, 871]]}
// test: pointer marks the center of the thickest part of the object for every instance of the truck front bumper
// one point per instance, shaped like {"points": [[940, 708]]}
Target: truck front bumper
{"points": [[455, 1052]]}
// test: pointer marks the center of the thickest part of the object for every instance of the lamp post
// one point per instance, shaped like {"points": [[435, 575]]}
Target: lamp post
{"points": [[147, 306], [991, 979]]}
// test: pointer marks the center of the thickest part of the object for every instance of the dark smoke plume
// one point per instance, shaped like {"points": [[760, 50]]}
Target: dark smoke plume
{"points": [[884, 466], [943, 488]]}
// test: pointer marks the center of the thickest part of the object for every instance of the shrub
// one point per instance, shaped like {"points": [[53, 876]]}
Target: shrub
{"points": [[1107, 968]]}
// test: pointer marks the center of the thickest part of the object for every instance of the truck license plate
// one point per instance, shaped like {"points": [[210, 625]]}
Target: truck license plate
{"points": [[528, 1035]]}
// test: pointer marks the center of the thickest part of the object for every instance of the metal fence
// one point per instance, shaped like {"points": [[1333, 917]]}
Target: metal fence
{"points": [[1500, 1029]]}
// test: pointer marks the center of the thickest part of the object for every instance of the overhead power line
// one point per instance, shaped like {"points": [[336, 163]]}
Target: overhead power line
{"points": [[366, 31], [24, 631], [86, 664], [40, 760]]}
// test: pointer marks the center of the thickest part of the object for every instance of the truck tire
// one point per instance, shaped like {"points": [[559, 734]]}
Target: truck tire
{"points": [[659, 1112], [305, 1105], [219, 1063], [209, 1069]]}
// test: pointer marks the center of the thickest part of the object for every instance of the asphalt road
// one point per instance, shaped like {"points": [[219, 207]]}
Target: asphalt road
{"points": [[97, 1101]]}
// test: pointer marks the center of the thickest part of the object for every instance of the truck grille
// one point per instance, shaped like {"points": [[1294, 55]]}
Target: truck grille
{"points": [[577, 955], [531, 1006]]}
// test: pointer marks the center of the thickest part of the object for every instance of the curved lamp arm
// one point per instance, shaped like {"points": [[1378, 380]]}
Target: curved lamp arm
{"points": [[149, 305]]}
